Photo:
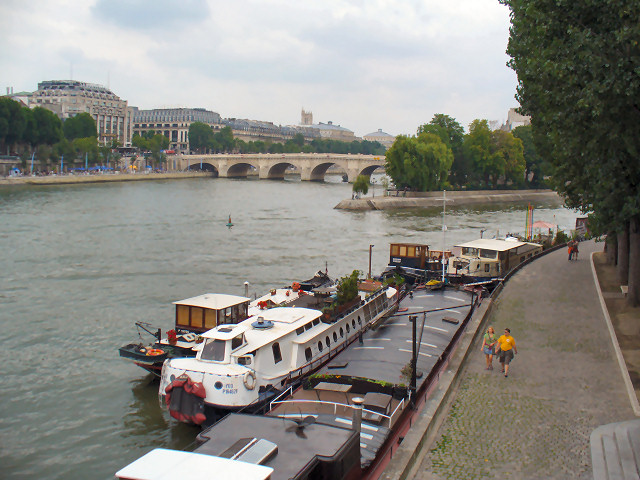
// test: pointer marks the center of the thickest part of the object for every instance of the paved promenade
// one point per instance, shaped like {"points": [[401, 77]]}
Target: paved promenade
{"points": [[564, 382]]}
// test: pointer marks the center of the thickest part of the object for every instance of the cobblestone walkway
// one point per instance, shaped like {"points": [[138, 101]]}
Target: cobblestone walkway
{"points": [[564, 382]]}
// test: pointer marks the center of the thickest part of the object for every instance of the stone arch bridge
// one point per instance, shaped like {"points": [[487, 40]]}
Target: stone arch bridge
{"points": [[311, 166]]}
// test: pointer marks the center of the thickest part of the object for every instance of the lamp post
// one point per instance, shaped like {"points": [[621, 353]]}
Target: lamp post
{"points": [[370, 251]]}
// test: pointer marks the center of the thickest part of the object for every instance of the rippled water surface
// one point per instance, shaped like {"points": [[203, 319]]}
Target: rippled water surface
{"points": [[80, 264]]}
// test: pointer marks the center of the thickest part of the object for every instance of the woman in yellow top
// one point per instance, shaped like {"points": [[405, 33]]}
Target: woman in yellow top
{"points": [[488, 345], [506, 348]]}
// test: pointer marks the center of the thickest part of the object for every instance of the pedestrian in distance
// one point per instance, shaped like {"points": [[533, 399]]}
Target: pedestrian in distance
{"points": [[570, 249], [489, 341], [575, 250], [506, 348]]}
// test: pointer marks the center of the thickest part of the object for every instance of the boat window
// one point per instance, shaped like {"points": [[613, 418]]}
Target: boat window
{"points": [[521, 259], [244, 360], [359, 320], [487, 267], [335, 337], [470, 251], [300, 330], [182, 315], [213, 350], [488, 253], [307, 353], [353, 324], [403, 251], [197, 317], [209, 319], [237, 342], [418, 251], [277, 355], [348, 328], [308, 326], [412, 251], [395, 249], [341, 332], [327, 341], [320, 347], [316, 321]]}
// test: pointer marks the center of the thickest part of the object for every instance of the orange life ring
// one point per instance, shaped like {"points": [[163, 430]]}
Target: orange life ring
{"points": [[155, 351]]}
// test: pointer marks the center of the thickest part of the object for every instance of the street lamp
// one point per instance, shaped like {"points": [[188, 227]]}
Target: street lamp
{"points": [[370, 251]]}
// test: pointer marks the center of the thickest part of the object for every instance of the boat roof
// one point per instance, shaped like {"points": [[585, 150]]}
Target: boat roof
{"points": [[295, 451], [495, 244], [285, 320], [164, 464], [214, 301]]}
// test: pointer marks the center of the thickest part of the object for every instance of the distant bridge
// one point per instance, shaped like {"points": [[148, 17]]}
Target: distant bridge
{"points": [[311, 166]]}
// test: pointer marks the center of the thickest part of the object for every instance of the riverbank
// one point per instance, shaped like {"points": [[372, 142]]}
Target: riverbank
{"points": [[99, 178], [455, 198]]}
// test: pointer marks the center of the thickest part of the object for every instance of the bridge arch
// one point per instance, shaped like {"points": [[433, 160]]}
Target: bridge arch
{"points": [[204, 167], [239, 170], [275, 171], [368, 171], [318, 172]]}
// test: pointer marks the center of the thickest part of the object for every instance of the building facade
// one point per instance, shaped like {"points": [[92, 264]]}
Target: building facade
{"points": [[384, 138], [67, 98], [173, 123], [514, 120]]}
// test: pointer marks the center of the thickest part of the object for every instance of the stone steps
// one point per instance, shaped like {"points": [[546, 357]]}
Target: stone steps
{"points": [[615, 451]]}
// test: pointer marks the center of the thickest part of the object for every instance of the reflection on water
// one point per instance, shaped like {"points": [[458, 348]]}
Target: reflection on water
{"points": [[82, 263]]}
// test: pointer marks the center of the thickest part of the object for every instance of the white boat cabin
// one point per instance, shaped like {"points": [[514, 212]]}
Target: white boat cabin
{"points": [[490, 258], [207, 311]]}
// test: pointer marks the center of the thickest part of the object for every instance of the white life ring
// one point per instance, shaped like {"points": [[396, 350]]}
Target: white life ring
{"points": [[249, 380]]}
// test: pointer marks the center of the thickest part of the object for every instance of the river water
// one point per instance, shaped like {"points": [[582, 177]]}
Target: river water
{"points": [[80, 264]]}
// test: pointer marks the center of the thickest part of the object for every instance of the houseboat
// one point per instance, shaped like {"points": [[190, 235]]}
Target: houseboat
{"points": [[488, 259], [193, 316], [244, 365], [415, 262]]}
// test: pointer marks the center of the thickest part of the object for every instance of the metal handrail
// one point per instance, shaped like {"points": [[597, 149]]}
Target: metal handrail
{"points": [[343, 405]]}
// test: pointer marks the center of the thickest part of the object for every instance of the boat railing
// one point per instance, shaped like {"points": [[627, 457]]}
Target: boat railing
{"points": [[344, 407], [284, 393]]}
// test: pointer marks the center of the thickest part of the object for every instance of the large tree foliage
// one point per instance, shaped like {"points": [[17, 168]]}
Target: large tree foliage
{"points": [[421, 163], [537, 167], [577, 66], [12, 122], [80, 126], [200, 137], [452, 134]]}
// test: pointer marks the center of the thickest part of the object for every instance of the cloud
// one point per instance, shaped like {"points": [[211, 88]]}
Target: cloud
{"points": [[162, 15], [364, 64]]}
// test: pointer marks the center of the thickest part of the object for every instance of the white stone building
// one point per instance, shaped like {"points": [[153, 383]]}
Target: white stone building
{"points": [[67, 98]]}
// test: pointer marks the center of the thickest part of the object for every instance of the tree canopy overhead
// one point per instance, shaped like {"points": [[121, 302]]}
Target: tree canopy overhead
{"points": [[577, 66], [80, 126]]}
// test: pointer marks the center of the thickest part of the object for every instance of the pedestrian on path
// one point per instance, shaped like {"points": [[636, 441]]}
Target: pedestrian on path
{"points": [[507, 349], [488, 346]]}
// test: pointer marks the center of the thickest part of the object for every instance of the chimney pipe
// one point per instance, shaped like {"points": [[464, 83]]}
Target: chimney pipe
{"points": [[246, 289], [356, 423]]}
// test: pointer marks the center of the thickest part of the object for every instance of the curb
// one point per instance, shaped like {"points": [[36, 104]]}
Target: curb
{"points": [[633, 398]]}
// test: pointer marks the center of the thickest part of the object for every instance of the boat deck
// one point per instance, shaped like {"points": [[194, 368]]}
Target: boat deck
{"points": [[384, 352]]}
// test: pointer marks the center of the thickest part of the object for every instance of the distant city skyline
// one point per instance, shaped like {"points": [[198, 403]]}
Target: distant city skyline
{"points": [[363, 66]]}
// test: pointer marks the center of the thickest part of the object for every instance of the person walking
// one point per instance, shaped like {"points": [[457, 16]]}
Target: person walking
{"points": [[488, 346], [506, 348]]}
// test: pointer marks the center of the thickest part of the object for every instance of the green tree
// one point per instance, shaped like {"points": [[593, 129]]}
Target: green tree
{"points": [[200, 136], [47, 125], [536, 167], [421, 163], [508, 150], [361, 185], [13, 123], [347, 288], [452, 134], [486, 165], [224, 139], [577, 66], [86, 148], [79, 126]]}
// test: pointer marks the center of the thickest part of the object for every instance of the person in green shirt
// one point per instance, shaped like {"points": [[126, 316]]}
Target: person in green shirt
{"points": [[488, 345]]}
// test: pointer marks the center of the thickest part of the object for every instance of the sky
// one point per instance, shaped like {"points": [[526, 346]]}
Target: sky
{"points": [[362, 64]]}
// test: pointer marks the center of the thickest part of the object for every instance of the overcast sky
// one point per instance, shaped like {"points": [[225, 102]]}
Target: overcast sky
{"points": [[363, 64]]}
